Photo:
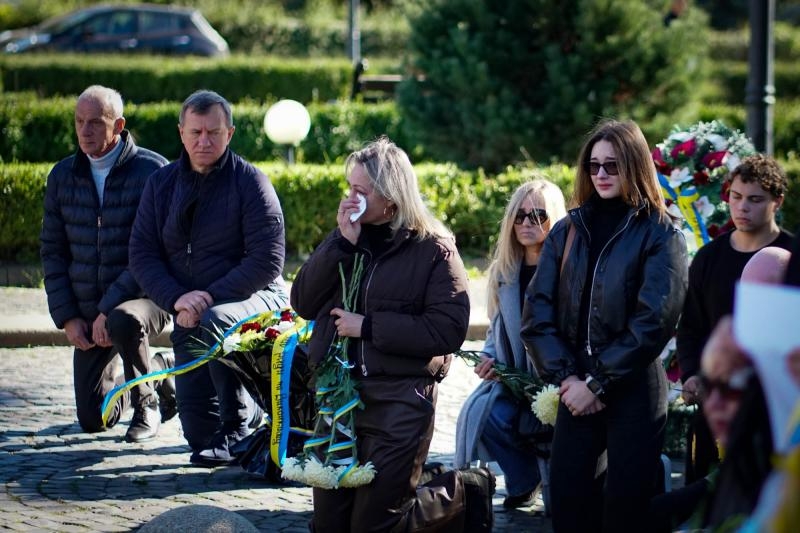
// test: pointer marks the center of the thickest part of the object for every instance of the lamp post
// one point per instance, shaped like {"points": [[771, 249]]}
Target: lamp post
{"points": [[287, 122], [760, 91]]}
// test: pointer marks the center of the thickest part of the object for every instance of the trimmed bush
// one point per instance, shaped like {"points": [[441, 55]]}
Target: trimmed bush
{"points": [[156, 79], [33, 129], [730, 80], [470, 203]]}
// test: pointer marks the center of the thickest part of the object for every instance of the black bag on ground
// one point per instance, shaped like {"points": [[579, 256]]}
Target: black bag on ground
{"points": [[479, 487]]}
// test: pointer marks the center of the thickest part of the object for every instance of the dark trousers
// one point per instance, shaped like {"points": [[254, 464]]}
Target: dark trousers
{"points": [[211, 398], [631, 430], [394, 431], [97, 371]]}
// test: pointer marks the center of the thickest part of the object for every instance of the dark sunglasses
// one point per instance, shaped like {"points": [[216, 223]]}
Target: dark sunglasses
{"points": [[610, 167], [536, 216], [730, 390]]}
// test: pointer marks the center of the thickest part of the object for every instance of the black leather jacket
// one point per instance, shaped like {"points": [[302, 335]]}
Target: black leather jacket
{"points": [[638, 287]]}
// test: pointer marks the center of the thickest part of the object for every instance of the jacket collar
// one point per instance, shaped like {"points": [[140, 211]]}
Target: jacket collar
{"points": [[81, 166], [186, 164]]}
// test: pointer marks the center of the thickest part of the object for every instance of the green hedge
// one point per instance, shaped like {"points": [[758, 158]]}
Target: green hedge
{"points": [[34, 129], [469, 202], [730, 79], [155, 79]]}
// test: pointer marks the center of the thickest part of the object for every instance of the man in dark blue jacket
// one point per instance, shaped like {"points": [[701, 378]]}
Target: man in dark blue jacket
{"points": [[208, 246], [89, 207]]}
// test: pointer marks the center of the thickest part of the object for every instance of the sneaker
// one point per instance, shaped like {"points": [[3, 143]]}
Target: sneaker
{"points": [[144, 424], [525, 499], [218, 452], [167, 404]]}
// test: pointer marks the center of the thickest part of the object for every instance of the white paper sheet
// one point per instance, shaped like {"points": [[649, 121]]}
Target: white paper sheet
{"points": [[766, 323]]}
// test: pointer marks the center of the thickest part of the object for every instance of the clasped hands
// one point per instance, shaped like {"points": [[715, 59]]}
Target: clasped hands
{"points": [[190, 308], [578, 398]]}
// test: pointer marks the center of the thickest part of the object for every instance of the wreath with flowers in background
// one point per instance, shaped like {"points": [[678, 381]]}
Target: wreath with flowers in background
{"points": [[692, 165]]}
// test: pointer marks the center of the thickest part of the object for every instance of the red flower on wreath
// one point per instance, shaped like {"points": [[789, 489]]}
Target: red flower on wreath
{"points": [[658, 159], [250, 326], [715, 159], [684, 149]]}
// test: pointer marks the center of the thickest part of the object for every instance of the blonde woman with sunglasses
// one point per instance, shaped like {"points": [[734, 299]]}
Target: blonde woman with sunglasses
{"points": [[488, 425], [605, 300]]}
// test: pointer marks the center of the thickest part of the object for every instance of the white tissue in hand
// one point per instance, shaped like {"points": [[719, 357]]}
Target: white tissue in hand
{"points": [[362, 206]]}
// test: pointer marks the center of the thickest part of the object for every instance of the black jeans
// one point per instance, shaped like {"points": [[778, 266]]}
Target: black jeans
{"points": [[212, 396], [96, 371], [631, 430]]}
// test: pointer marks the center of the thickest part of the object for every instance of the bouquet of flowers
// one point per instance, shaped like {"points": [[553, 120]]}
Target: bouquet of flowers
{"points": [[329, 459], [524, 386], [692, 164]]}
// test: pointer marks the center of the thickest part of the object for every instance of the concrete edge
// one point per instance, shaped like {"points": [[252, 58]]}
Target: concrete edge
{"points": [[55, 337]]}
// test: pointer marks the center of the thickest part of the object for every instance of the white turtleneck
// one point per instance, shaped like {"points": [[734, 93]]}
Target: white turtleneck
{"points": [[101, 166]]}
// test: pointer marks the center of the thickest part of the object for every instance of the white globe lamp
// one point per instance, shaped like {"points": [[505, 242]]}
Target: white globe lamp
{"points": [[287, 122]]}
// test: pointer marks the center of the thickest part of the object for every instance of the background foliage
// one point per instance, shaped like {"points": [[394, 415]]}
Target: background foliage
{"points": [[534, 75]]}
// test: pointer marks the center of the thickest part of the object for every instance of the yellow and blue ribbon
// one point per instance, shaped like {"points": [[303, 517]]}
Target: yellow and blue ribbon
{"points": [[685, 198]]}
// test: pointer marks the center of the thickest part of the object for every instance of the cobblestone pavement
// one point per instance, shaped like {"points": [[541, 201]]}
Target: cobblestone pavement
{"points": [[56, 478]]}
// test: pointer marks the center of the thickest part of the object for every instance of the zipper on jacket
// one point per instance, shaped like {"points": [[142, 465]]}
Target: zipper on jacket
{"points": [[99, 227], [189, 258], [364, 370], [594, 273]]}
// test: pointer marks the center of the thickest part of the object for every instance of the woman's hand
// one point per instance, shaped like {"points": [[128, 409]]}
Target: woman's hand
{"points": [[485, 369], [579, 399], [349, 230], [348, 324]]}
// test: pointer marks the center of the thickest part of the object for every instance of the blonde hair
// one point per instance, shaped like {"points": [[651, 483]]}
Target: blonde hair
{"points": [[637, 172], [508, 252], [393, 177]]}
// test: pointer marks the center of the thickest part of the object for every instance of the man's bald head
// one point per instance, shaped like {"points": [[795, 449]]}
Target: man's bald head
{"points": [[768, 265]]}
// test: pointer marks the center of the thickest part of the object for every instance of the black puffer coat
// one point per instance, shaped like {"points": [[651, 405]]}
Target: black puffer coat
{"points": [[415, 294], [638, 289], [222, 232], [84, 247]]}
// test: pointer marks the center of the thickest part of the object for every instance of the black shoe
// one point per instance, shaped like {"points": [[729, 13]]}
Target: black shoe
{"points": [[165, 388], [219, 452], [144, 424], [523, 500]]}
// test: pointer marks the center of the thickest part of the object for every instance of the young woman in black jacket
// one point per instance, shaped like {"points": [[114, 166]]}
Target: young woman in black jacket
{"points": [[596, 318]]}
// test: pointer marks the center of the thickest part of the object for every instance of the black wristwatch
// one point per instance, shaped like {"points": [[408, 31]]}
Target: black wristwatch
{"points": [[594, 386]]}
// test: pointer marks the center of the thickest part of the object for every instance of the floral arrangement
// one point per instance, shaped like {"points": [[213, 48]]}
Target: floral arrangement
{"points": [[329, 459], [524, 386], [692, 164]]}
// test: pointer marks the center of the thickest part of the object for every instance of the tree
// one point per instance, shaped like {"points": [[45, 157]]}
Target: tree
{"points": [[496, 81]]}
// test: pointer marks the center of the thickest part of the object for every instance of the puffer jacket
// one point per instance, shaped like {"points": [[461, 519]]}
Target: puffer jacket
{"points": [[222, 233], [637, 292], [84, 247], [415, 295]]}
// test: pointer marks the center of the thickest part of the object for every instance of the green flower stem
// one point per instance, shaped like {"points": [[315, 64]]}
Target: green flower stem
{"points": [[520, 383]]}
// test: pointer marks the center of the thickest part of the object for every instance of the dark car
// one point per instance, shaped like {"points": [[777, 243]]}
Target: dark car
{"points": [[127, 28]]}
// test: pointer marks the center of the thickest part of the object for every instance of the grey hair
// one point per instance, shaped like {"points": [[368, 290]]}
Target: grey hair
{"points": [[201, 102], [393, 177], [109, 99]]}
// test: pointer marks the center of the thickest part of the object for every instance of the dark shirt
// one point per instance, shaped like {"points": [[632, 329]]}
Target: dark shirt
{"points": [[526, 273], [713, 274], [606, 217], [793, 269]]}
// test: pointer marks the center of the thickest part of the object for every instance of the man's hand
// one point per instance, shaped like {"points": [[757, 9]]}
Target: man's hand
{"points": [[77, 331], [99, 331], [690, 391], [485, 369], [187, 319], [195, 302], [348, 324]]}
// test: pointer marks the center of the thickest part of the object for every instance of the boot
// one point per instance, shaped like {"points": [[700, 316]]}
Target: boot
{"points": [[144, 424], [167, 403]]}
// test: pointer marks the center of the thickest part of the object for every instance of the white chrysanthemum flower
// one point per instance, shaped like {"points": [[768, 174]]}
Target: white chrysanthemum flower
{"points": [[719, 142], [669, 348], [704, 207], [284, 326], [679, 176], [680, 136], [231, 343], [359, 476], [545, 404], [732, 161], [293, 470], [318, 475]]}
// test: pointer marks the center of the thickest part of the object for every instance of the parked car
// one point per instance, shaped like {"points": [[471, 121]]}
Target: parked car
{"points": [[126, 28]]}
